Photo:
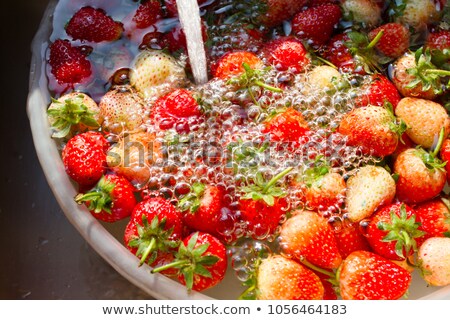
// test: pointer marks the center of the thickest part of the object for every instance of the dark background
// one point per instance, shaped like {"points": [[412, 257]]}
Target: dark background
{"points": [[42, 255]]}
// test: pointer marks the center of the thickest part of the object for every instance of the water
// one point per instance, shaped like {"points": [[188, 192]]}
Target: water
{"points": [[189, 15]]}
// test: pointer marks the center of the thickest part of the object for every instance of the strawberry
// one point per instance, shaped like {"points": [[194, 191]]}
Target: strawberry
{"points": [[123, 110], [84, 157], [338, 53], [324, 78], [421, 176], [286, 54], [434, 218], [307, 235], [154, 73], [425, 119], [175, 39], [417, 76], [203, 209], [368, 276], [392, 231], [445, 156], [287, 126], [231, 64], [374, 129], [68, 64], [177, 109], [365, 12], [274, 12], [434, 261], [111, 200], [316, 24], [377, 92], [147, 14], [280, 278], [439, 40], [154, 230], [133, 156], [263, 205], [368, 189], [349, 238], [201, 261], [395, 39], [90, 24], [323, 189], [73, 112], [417, 14]]}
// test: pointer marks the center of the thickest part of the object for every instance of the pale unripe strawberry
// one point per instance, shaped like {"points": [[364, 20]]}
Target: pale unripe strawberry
{"points": [[419, 13], [363, 11], [123, 110], [370, 188], [154, 73], [434, 259], [424, 119], [280, 278], [401, 78], [133, 155], [324, 77]]}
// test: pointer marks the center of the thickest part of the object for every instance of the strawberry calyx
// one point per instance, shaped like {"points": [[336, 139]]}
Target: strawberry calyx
{"points": [[397, 125], [403, 230], [430, 159], [190, 261], [152, 238], [71, 111], [246, 154], [333, 277], [427, 73], [192, 200], [266, 191], [99, 198], [250, 78], [316, 171]]}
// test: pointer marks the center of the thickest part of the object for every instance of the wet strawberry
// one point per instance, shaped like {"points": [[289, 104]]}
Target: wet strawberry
{"points": [[395, 39], [231, 64], [434, 218], [147, 14], [111, 200], [378, 91], [316, 24], [287, 54], [434, 261], [368, 276], [84, 157], [365, 12], [349, 238], [90, 24], [287, 126], [68, 64]]}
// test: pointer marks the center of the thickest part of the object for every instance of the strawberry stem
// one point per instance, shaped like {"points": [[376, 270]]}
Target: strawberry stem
{"points": [[375, 40], [175, 264], [268, 87], [276, 178], [439, 143], [438, 72], [318, 269], [147, 251]]}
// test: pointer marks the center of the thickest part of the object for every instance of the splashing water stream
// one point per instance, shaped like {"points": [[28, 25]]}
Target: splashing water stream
{"points": [[189, 14]]}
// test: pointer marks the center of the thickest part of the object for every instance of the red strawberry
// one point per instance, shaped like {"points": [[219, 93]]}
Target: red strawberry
{"points": [[175, 39], [68, 64], [338, 53], [90, 24], [280, 278], [373, 128], [392, 231], [439, 40], [176, 109], [263, 205], [316, 24], [368, 276], [201, 261], [395, 39], [349, 238], [153, 231], [84, 157], [307, 235], [287, 54], [378, 91], [112, 199], [147, 14], [421, 176], [231, 64], [286, 126], [434, 218], [204, 209]]}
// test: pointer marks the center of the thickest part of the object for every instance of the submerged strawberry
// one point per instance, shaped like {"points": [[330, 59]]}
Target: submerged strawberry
{"points": [[287, 54], [91, 24]]}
